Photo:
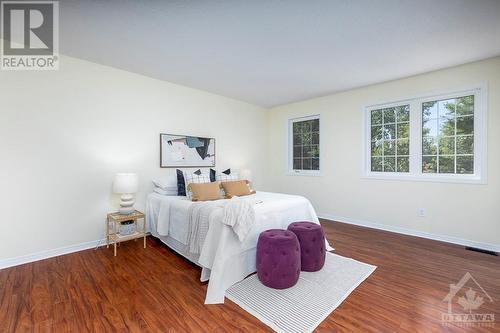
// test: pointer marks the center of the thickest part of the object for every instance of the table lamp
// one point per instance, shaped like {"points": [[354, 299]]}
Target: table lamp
{"points": [[126, 184]]}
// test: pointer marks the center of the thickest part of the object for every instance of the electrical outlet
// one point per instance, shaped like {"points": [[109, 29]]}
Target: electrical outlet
{"points": [[422, 212]]}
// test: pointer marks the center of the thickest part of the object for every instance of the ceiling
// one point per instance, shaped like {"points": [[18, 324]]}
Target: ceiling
{"points": [[270, 53]]}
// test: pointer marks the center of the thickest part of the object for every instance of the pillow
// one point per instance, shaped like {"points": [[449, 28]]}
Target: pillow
{"points": [[227, 176], [181, 183], [204, 191], [165, 192], [224, 176], [214, 174], [195, 177], [166, 183], [236, 188]]}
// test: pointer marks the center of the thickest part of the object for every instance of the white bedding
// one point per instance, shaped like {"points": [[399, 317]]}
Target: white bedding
{"points": [[172, 212], [224, 258]]}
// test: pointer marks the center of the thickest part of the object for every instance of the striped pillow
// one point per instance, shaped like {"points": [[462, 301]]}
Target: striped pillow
{"points": [[222, 177]]}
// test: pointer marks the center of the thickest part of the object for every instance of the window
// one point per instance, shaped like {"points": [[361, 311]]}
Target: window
{"points": [[390, 143], [438, 137], [448, 136], [304, 142]]}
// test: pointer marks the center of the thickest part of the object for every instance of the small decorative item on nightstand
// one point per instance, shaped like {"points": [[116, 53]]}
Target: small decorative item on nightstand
{"points": [[127, 227], [124, 227]]}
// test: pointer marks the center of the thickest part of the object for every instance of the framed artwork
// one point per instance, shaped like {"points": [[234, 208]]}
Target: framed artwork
{"points": [[186, 151]]}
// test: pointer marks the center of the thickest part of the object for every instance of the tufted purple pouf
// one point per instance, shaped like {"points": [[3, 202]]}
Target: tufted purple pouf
{"points": [[278, 258], [312, 245]]}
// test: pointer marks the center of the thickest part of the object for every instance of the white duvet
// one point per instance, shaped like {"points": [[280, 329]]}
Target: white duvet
{"points": [[224, 258]]}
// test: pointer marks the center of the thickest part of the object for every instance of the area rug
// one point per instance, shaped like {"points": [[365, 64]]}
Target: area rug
{"points": [[304, 306]]}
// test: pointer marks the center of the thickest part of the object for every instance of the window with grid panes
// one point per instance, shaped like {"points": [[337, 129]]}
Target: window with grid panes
{"points": [[390, 139], [448, 136], [305, 139], [447, 140]]}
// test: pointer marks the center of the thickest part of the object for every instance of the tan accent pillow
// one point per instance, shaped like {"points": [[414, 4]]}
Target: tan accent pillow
{"points": [[205, 191], [236, 188]]}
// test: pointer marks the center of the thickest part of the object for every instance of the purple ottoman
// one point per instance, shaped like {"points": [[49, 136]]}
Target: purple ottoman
{"points": [[312, 245], [278, 258]]}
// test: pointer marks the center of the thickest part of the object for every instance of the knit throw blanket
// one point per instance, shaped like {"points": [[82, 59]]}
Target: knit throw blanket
{"points": [[236, 213]]}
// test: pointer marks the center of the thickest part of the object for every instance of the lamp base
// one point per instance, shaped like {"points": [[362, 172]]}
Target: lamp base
{"points": [[126, 204]]}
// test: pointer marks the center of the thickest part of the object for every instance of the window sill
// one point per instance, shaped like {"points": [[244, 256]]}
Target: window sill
{"points": [[304, 173], [457, 179]]}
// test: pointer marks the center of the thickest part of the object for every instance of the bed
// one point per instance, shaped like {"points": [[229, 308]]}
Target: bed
{"points": [[224, 259]]}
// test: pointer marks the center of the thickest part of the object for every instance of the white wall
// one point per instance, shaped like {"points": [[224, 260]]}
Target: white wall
{"points": [[466, 212], [64, 134]]}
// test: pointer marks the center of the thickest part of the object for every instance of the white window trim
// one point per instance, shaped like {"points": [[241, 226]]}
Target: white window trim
{"points": [[290, 171], [480, 92]]}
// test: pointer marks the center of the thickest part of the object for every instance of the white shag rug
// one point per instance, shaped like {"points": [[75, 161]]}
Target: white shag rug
{"points": [[304, 306]]}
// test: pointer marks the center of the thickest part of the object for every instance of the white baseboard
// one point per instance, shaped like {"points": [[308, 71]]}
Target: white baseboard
{"points": [[413, 232], [9, 262]]}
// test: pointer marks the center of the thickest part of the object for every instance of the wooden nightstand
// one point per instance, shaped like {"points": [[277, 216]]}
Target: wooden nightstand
{"points": [[112, 222]]}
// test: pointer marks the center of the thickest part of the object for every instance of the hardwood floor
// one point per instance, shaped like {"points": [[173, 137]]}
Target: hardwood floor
{"points": [[155, 290]]}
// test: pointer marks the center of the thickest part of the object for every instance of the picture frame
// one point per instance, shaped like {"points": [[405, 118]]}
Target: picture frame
{"points": [[185, 151]]}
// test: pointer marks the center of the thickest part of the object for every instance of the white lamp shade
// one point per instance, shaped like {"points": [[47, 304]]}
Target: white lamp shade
{"points": [[126, 183]]}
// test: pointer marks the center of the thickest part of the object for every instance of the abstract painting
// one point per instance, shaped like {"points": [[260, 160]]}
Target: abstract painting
{"points": [[186, 151]]}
